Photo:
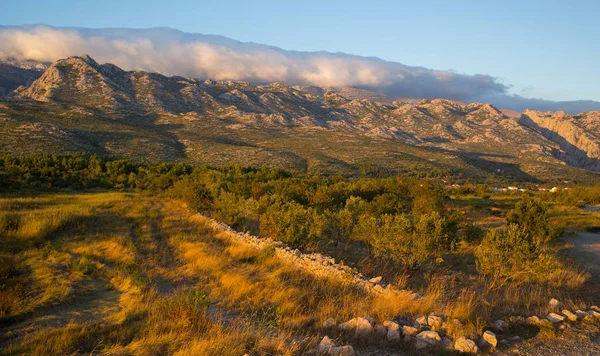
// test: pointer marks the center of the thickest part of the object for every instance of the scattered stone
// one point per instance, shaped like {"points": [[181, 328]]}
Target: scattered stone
{"points": [[532, 320], [447, 343], [569, 315], [465, 345], [435, 322], [555, 318], [342, 351], [430, 337], [421, 321], [562, 327], [409, 330], [596, 308], [580, 314], [499, 326], [380, 330], [325, 345], [376, 280], [393, 331], [554, 303], [371, 320], [421, 344], [594, 313], [349, 325], [515, 339], [363, 329], [490, 338], [330, 323]]}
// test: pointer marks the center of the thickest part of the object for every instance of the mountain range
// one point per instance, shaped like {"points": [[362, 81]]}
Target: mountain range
{"points": [[76, 104]]}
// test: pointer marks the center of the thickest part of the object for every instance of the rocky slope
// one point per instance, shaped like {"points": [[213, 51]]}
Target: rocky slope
{"points": [[578, 136], [301, 126]]}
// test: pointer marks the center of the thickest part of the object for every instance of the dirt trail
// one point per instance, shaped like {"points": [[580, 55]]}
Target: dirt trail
{"points": [[586, 250]]}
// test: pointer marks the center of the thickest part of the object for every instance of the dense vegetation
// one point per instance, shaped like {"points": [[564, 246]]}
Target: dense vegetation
{"points": [[416, 233]]}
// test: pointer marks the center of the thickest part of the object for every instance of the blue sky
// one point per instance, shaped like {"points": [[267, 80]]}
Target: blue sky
{"points": [[544, 49]]}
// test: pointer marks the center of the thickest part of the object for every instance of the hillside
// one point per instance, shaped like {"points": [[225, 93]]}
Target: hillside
{"points": [[80, 105]]}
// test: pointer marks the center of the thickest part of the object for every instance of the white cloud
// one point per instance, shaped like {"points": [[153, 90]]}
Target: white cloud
{"points": [[173, 53]]}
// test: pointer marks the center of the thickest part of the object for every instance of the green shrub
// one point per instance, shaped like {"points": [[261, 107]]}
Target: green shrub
{"points": [[504, 251], [292, 223], [471, 233], [532, 215], [409, 242]]}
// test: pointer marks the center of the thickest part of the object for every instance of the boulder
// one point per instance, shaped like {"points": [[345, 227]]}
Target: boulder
{"points": [[490, 338], [555, 318], [532, 320], [409, 330], [435, 322], [369, 319], [349, 325], [465, 345], [330, 323], [325, 345], [376, 280], [580, 314], [594, 313], [569, 315], [380, 330], [447, 343], [420, 322], [342, 351], [421, 344], [430, 337], [393, 331], [363, 329], [499, 326], [553, 303]]}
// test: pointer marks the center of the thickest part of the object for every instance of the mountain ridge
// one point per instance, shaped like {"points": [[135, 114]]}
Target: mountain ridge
{"points": [[477, 134]]}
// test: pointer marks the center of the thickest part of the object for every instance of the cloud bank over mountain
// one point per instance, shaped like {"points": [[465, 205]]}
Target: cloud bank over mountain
{"points": [[172, 52]]}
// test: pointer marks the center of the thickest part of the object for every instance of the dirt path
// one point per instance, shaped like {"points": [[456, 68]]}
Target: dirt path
{"points": [[586, 250]]}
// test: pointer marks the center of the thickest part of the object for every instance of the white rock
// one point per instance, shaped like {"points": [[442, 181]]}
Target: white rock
{"points": [[580, 314], [435, 322], [430, 337], [342, 351], [554, 303], [500, 326], [376, 280], [594, 313], [349, 325], [393, 331], [325, 345], [532, 320], [409, 330], [447, 343], [569, 315], [329, 323], [555, 318], [363, 329], [490, 338], [465, 345]]}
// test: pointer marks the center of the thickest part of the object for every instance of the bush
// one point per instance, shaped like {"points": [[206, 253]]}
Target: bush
{"points": [[504, 251], [532, 215], [292, 223], [410, 243], [471, 233]]}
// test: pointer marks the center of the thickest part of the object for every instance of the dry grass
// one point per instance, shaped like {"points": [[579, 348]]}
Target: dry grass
{"points": [[171, 286]]}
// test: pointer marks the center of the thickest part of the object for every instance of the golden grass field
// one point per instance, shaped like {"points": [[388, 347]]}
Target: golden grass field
{"points": [[121, 273]]}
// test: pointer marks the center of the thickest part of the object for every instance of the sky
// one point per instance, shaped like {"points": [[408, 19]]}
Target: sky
{"points": [[538, 49]]}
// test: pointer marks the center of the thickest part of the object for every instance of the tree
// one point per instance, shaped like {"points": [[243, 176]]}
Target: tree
{"points": [[532, 215]]}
